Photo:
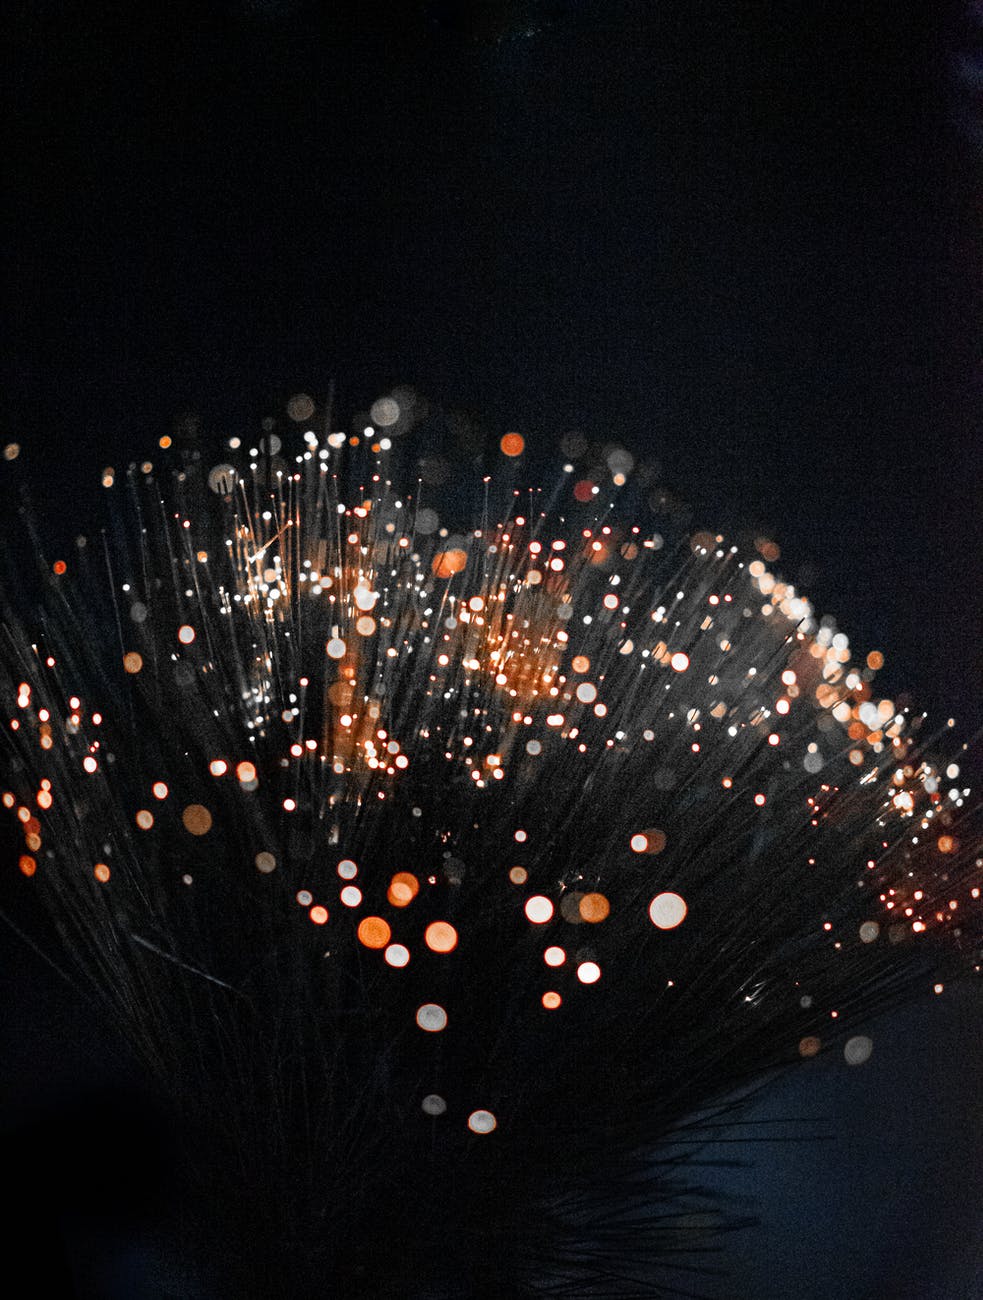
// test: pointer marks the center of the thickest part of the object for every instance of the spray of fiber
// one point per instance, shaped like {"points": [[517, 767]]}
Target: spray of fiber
{"points": [[445, 847]]}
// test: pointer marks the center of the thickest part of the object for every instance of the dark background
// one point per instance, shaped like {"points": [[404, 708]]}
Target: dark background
{"points": [[741, 238]]}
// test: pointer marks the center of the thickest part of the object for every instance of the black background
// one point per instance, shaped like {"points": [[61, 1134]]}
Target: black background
{"points": [[742, 238]]}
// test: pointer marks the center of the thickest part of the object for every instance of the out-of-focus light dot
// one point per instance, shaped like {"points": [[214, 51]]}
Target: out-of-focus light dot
{"points": [[679, 662], [570, 907], [246, 772], [265, 862], [89, 763], [347, 869], [101, 872], [384, 412], [521, 837], [27, 865], [59, 567], [304, 897], [760, 800], [554, 956], [144, 819], [433, 1105], [446, 564], [431, 1017], [937, 988], [397, 955], [335, 648], [440, 936], [300, 407], [588, 972], [374, 932], [858, 1049], [539, 909], [946, 843], [869, 931], [11, 451], [289, 805], [518, 875], [351, 896], [594, 908], [809, 1046], [482, 1121], [218, 767], [186, 634], [586, 693], [197, 819], [222, 479], [159, 790], [650, 841], [403, 888], [875, 660], [580, 664], [318, 914], [512, 444], [132, 662], [427, 521], [551, 1000], [667, 910]]}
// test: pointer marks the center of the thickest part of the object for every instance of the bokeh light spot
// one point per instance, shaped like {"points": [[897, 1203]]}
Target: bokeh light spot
{"points": [[667, 910]]}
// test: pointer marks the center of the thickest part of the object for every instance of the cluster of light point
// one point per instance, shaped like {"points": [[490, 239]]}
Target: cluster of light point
{"points": [[546, 646]]}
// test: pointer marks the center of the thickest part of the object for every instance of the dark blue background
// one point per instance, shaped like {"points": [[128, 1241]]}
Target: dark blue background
{"points": [[743, 238]]}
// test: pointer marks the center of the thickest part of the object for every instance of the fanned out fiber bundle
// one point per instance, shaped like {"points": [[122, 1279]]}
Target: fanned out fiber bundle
{"points": [[444, 849]]}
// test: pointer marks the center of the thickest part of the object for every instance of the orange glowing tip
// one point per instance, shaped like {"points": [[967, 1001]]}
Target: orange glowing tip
{"points": [[594, 908], [374, 932], [446, 563], [403, 887], [440, 936]]}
